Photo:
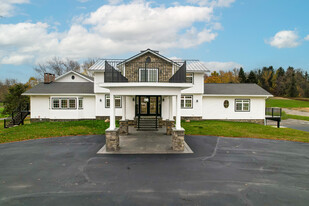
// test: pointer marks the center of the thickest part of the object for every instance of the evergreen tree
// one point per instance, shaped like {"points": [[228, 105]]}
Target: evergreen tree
{"points": [[13, 98], [252, 78], [292, 90], [241, 76]]}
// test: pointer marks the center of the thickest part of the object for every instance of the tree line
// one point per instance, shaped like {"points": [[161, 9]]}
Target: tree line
{"points": [[279, 82]]}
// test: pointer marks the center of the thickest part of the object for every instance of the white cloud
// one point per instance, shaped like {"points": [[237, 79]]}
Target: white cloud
{"points": [[225, 66], [307, 38], [285, 39], [7, 7], [213, 3], [110, 30], [17, 59]]}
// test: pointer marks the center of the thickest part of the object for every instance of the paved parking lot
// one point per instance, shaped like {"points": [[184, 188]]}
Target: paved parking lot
{"points": [[222, 171]]}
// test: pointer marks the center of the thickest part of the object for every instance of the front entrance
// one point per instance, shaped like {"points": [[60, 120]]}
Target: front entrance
{"points": [[148, 106]]}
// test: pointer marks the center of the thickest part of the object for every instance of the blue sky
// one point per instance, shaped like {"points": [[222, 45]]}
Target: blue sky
{"points": [[222, 33]]}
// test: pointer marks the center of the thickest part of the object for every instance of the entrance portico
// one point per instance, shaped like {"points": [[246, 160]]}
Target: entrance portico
{"points": [[148, 101]]}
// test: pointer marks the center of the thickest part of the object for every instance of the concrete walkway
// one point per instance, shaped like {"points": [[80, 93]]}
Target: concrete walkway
{"points": [[295, 112], [146, 142]]}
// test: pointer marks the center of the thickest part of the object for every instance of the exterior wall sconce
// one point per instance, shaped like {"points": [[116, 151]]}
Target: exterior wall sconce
{"points": [[197, 100], [133, 99], [163, 99], [100, 100]]}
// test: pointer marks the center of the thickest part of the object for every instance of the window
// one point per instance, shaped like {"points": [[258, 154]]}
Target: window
{"points": [[151, 76], [226, 104], [117, 101], [63, 103], [72, 103], [56, 104], [186, 102], [242, 105], [189, 77], [80, 103], [73, 77]]}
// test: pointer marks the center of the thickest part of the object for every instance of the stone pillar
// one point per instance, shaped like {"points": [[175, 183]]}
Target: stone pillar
{"points": [[112, 124], [123, 127], [178, 108], [178, 139], [112, 139], [169, 126]]}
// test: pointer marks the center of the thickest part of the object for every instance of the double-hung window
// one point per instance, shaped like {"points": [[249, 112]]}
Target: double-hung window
{"points": [[117, 101], [186, 102], [63, 103], [150, 76], [189, 77], [242, 105]]}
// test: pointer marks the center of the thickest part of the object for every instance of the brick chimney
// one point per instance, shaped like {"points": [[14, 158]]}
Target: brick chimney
{"points": [[49, 78]]}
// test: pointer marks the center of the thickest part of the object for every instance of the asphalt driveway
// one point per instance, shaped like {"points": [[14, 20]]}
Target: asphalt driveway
{"points": [[222, 171]]}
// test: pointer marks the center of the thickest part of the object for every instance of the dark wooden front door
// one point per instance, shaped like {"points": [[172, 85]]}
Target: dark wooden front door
{"points": [[148, 106]]}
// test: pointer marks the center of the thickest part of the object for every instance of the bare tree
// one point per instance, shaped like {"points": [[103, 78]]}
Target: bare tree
{"points": [[87, 64], [57, 66]]}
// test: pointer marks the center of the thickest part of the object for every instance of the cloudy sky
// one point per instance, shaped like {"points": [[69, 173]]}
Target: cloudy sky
{"points": [[222, 33]]}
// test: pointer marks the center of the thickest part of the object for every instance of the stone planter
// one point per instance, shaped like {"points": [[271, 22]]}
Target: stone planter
{"points": [[178, 139], [112, 139]]}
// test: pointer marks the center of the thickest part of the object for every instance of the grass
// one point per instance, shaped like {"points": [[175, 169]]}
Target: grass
{"points": [[51, 129], [286, 103], [92, 127], [250, 130]]}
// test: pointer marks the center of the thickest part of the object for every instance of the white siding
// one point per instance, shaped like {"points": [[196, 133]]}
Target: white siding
{"points": [[41, 108], [99, 79], [68, 78], [213, 108], [198, 85]]}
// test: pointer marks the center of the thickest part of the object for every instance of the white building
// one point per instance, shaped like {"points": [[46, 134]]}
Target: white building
{"points": [[146, 86]]}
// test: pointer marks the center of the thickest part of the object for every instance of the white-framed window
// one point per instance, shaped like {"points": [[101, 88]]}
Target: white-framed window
{"points": [[80, 103], [63, 103], [56, 104], [117, 101], [189, 77], [187, 102], [242, 105], [151, 76]]}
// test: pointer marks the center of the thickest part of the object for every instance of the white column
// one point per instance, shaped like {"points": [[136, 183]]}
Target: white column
{"points": [[171, 108], [112, 125], [178, 115], [124, 107]]}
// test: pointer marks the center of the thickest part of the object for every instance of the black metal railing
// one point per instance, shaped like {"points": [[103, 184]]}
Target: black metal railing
{"points": [[17, 116], [180, 75], [147, 71], [113, 75]]}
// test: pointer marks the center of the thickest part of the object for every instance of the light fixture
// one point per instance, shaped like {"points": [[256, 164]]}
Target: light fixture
{"points": [[163, 99], [197, 100], [100, 100], [133, 99]]}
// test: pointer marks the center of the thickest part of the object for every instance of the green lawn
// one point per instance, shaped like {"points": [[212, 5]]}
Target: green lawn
{"points": [[89, 127], [236, 129], [51, 129], [286, 103]]}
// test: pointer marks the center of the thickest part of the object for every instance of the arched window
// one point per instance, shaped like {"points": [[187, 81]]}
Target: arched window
{"points": [[226, 104]]}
